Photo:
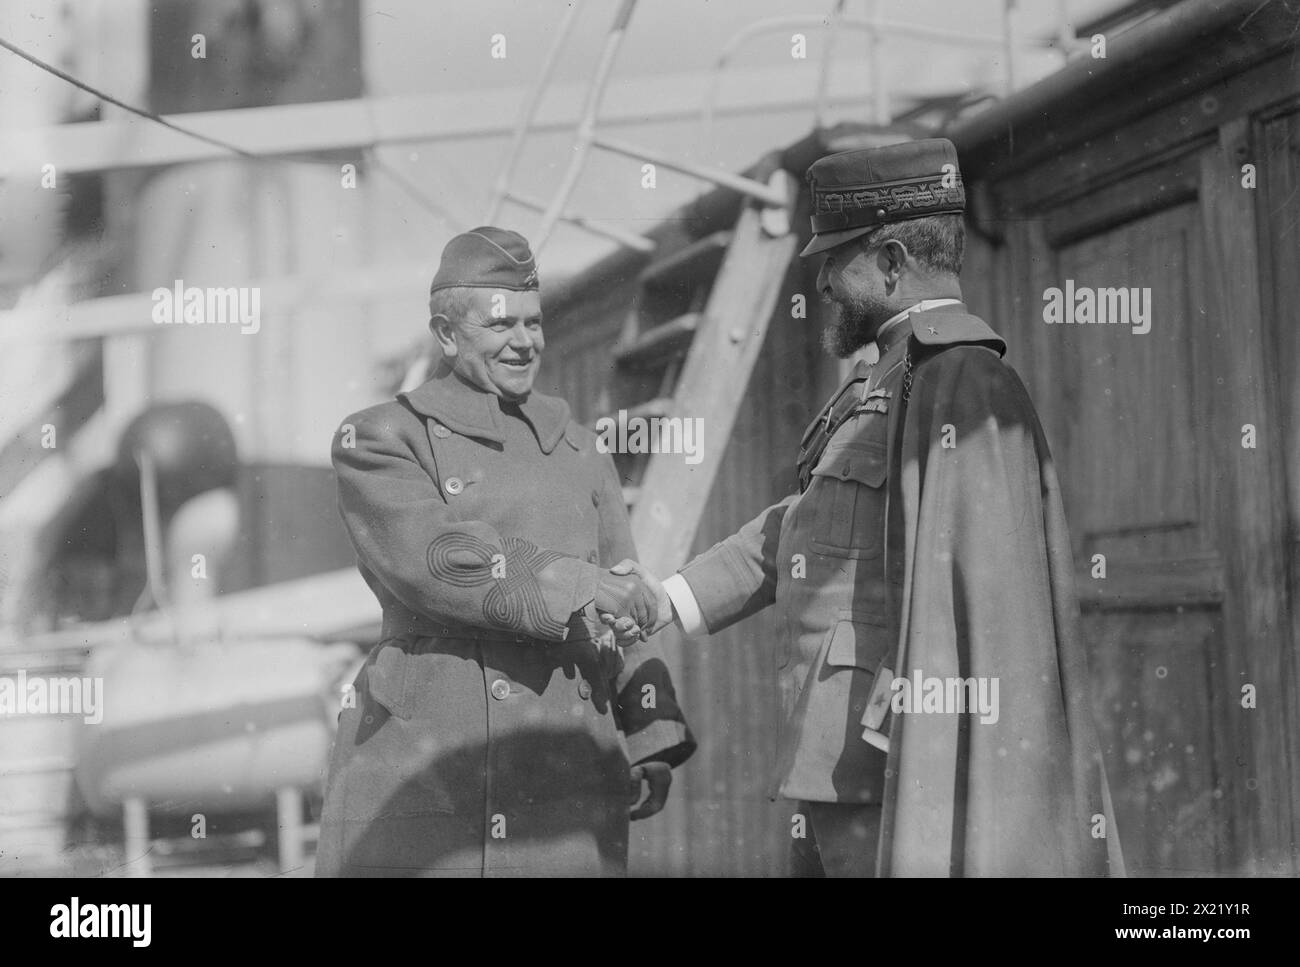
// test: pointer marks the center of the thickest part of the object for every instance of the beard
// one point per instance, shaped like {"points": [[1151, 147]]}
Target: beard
{"points": [[852, 324]]}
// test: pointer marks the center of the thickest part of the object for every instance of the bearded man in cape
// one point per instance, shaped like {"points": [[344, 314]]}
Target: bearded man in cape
{"points": [[935, 718]]}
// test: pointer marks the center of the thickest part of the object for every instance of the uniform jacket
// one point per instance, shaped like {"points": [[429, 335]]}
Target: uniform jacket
{"points": [[491, 733], [935, 546], [819, 557]]}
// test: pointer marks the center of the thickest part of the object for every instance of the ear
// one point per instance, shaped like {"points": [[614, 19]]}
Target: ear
{"points": [[893, 255], [445, 334]]}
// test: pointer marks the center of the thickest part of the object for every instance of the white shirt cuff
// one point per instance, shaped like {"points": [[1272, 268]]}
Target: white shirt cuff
{"points": [[878, 739], [684, 604]]}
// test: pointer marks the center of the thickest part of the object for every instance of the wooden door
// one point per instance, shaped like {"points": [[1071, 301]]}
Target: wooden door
{"points": [[1184, 628]]}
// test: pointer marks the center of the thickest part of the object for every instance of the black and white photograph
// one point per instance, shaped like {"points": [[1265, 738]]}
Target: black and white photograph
{"points": [[677, 439]]}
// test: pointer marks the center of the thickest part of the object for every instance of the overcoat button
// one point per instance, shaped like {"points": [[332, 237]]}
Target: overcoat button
{"points": [[440, 431], [584, 689], [453, 486], [500, 689]]}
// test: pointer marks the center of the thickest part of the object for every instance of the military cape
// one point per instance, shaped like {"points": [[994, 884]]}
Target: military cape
{"points": [[988, 592]]}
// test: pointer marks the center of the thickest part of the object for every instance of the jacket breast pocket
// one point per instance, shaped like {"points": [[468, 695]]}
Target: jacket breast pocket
{"points": [[849, 520]]}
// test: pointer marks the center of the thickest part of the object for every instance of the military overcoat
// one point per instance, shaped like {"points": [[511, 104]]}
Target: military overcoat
{"points": [[491, 732]]}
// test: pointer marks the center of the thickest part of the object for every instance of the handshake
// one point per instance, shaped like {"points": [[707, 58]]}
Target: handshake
{"points": [[631, 601]]}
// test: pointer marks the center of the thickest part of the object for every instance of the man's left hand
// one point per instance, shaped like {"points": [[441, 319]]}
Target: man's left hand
{"points": [[659, 775]]}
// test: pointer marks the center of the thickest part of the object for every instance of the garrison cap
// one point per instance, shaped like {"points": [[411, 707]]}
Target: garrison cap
{"points": [[856, 191], [487, 257]]}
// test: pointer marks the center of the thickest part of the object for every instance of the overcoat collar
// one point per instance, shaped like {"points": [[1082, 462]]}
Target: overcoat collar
{"points": [[469, 411]]}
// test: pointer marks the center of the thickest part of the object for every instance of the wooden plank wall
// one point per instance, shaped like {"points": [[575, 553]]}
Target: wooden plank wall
{"points": [[1247, 109]]}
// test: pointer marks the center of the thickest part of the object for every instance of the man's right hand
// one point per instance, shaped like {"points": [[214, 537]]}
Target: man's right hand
{"points": [[626, 595], [663, 603]]}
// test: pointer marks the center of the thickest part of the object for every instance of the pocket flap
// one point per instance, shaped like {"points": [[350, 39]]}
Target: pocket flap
{"points": [[386, 677], [864, 463], [857, 644]]}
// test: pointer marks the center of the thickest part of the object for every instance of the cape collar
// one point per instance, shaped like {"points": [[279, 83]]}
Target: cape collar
{"points": [[471, 412], [952, 325]]}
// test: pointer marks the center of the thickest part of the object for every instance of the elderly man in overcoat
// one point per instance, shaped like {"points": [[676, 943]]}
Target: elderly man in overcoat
{"points": [[496, 728], [934, 697]]}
